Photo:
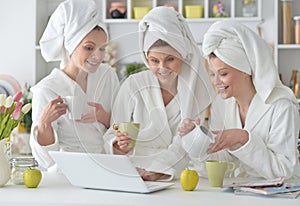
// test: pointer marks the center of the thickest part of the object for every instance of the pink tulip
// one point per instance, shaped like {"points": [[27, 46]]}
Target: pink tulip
{"points": [[16, 114], [18, 96], [18, 105], [2, 109]]}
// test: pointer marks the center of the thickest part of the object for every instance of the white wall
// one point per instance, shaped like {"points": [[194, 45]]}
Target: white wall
{"points": [[17, 42]]}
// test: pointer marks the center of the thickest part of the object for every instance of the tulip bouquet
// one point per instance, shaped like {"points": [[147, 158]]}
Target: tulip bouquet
{"points": [[12, 112]]}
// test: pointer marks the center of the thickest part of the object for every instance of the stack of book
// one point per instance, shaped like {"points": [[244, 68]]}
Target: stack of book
{"points": [[273, 188]]}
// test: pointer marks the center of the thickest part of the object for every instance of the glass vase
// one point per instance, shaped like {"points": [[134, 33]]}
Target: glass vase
{"points": [[4, 163]]}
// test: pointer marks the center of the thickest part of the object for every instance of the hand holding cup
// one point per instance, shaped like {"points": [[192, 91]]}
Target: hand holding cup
{"points": [[127, 133], [187, 126], [53, 110], [75, 106]]}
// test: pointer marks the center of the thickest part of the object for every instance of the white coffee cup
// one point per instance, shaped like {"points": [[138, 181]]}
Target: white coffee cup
{"points": [[197, 141], [76, 105]]}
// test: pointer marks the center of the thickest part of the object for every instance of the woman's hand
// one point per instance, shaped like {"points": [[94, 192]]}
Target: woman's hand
{"points": [[99, 115], [53, 110], [231, 139], [187, 126], [121, 145], [149, 176]]}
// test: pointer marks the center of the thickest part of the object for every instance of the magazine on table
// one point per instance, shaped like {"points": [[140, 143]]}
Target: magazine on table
{"points": [[257, 183], [271, 190], [272, 187], [294, 194]]}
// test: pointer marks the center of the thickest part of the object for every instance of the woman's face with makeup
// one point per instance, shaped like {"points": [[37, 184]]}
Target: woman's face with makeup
{"points": [[165, 63]]}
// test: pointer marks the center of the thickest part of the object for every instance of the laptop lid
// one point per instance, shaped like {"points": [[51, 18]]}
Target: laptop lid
{"points": [[101, 171]]}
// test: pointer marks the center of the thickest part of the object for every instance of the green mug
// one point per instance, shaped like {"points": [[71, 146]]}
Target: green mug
{"points": [[131, 128], [216, 171]]}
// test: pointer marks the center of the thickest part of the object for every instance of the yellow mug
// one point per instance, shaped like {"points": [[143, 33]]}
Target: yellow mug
{"points": [[131, 128], [216, 171]]}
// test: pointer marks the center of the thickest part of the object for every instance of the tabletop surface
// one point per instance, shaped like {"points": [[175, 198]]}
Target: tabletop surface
{"points": [[55, 189]]}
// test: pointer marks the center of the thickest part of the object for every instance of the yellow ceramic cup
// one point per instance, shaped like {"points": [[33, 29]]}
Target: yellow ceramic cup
{"points": [[140, 12], [216, 171], [194, 11], [131, 128]]}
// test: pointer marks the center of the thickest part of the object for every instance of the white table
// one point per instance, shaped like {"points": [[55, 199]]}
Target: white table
{"points": [[56, 190]]}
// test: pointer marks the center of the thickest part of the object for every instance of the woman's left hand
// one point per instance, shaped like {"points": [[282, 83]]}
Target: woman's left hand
{"points": [[231, 139], [149, 176], [187, 125], [99, 115]]}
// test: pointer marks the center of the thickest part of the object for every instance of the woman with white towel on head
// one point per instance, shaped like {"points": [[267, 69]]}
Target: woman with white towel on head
{"points": [[76, 37], [176, 87], [261, 122]]}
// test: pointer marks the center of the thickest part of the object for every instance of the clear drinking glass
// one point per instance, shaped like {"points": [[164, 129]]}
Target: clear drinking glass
{"points": [[19, 165]]}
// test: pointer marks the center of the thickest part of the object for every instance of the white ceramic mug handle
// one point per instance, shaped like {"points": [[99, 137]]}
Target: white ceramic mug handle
{"points": [[66, 103], [230, 169]]}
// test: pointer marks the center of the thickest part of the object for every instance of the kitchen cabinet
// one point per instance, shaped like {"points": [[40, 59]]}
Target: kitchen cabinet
{"points": [[32, 18], [286, 56], [124, 31], [233, 8]]}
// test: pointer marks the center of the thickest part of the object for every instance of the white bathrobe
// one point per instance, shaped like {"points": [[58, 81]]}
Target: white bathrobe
{"points": [[158, 147], [272, 119], [71, 135], [271, 150]]}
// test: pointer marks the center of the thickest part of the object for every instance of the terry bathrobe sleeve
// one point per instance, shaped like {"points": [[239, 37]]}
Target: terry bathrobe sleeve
{"points": [[171, 161], [102, 86], [41, 152], [192, 141], [271, 150], [122, 110], [272, 153]]}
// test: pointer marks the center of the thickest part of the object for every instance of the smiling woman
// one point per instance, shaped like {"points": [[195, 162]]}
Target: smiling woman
{"points": [[80, 50], [159, 97], [87, 56], [165, 63], [229, 81], [260, 126]]}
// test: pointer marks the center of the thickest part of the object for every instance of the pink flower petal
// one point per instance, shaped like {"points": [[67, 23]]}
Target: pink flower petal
{"points": [[18, 96], [16, 114], [2, 109], [19, 105]]}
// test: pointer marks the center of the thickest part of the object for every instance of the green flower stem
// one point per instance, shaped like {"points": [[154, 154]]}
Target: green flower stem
{"points": [[8, 128], [11, 124], [3, 124]]}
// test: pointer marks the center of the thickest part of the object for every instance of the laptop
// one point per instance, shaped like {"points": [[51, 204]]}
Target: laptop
{"points": [[104, 172]]}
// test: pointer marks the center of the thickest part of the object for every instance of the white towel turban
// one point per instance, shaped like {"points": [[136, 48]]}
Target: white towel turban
{"points": [[194, 87], [68, 25], [238, 46]]}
